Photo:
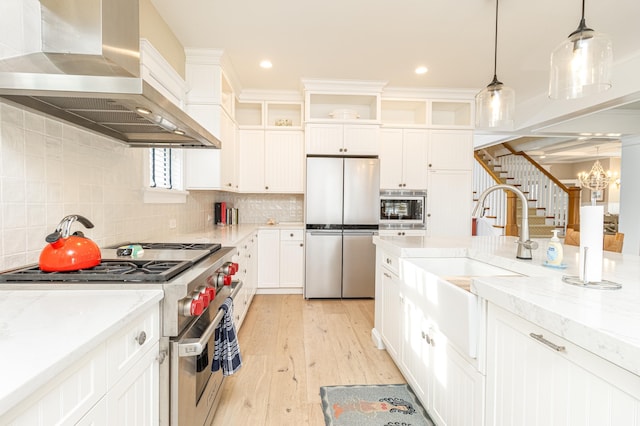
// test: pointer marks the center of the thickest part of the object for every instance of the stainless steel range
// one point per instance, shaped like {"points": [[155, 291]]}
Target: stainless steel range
{"points": [[196, 280]]}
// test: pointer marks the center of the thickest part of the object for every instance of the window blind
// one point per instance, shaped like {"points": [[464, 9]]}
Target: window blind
{"points": [[165, 166]]}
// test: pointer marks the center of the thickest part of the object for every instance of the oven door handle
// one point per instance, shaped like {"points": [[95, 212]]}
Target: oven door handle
{"points": [[194, 347]]}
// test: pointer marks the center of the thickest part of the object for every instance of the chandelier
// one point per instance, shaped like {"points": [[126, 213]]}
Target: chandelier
{"points": [[597, 179]]}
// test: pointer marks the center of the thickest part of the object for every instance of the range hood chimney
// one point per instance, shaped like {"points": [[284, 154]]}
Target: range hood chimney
{"points": [[88, 73]]}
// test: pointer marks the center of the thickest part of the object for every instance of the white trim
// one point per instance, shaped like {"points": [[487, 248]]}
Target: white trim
{"points": [[164, 196]]}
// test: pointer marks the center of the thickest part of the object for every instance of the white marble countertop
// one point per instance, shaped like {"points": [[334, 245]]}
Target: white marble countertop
{"points": [[605, 322], [43, 332], [232, 235]]}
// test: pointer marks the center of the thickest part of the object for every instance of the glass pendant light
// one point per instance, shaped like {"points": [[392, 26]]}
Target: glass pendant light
{"points": [[581, 65], [495, 104]]}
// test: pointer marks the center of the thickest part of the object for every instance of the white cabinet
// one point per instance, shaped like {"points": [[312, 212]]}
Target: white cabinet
{"points": [[449, 192], [448, 384], [402, 232], [268, 258], [450, 150], [342, 139], [115, 383], [291, 258], [280, 260], [403, 158], [535, 377], [449, 203], [432, 113], [211, 102], [251, 151], [391, 312], [271, 161], [247, 258], [213, 168]]}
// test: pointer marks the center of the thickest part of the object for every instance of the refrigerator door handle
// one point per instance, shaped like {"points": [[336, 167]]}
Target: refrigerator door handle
{"points": [[325, 233]]}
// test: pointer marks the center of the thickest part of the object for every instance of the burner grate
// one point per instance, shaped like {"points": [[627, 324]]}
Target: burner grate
{"points": [[107, 270]]}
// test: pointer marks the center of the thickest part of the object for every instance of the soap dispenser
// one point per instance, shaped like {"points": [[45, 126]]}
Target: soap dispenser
{"points": [[554, 250]]}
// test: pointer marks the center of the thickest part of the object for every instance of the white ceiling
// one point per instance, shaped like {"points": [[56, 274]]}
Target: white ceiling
{"points": [[386, 40]]}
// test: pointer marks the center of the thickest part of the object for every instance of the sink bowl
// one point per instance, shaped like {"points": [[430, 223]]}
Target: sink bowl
{"points": [[461, 268], [442, 287]]}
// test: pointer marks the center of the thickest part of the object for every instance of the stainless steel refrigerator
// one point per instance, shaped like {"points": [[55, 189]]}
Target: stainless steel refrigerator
{"points": [[341, 218]]}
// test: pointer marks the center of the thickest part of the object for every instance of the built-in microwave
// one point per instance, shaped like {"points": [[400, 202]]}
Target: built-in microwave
{"points": [[402, 209]]}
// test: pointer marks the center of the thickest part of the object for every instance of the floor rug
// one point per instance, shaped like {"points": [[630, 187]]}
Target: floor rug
{"points": [[372, 405]]}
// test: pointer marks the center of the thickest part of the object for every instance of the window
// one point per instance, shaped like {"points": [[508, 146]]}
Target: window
{"points": [[165, 166], [165, 183]]}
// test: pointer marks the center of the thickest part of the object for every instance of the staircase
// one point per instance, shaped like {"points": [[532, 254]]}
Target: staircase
{"points": [[548, 198]]}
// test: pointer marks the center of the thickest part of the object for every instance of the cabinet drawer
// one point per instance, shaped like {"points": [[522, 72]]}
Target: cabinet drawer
{"points": [[291, 235], [390, 262], [127, 347]]}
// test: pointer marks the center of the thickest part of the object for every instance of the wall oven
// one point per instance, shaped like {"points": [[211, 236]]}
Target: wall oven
{"points": [[402, 209]]}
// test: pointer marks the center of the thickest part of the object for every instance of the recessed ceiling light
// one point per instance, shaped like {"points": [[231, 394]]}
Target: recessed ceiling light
{"points": [[421, 70], [266, 64]]}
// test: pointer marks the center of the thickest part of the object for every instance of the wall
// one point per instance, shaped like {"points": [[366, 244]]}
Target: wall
{"points": [[49, 169]]}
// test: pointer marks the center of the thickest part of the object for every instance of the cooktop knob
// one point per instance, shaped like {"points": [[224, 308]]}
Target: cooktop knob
{"points": [[211, 292], [196, 308]]}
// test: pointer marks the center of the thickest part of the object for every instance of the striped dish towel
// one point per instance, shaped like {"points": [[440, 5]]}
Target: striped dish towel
{"points": [[227, 351]]}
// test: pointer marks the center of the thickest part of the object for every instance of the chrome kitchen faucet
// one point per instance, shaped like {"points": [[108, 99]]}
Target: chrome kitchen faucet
{"points": [[525, 245]]}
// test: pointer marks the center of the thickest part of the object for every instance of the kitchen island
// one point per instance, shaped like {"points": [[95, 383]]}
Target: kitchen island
{"points": [[59, 346], [599, 327]]}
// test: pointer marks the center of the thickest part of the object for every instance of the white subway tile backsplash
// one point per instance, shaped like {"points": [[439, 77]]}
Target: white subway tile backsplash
{"points": [[13, 191], [50, 169]]}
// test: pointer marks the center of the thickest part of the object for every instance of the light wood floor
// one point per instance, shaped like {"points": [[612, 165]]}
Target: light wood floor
{"points": [[292, 346]]}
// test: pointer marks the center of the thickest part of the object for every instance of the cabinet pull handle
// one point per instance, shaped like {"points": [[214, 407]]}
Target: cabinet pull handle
{"points": [[386, 275], [161, 357], [141, 338], [552, 345]]}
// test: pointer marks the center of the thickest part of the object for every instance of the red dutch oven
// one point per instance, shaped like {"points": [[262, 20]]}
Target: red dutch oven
{"points": [[69, 252]]}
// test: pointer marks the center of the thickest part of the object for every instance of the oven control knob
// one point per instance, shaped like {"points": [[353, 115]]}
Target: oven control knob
{"points": [[222, 279], [191, 307], [211, 292], [204, 297], [230, 268], [196, 308]]}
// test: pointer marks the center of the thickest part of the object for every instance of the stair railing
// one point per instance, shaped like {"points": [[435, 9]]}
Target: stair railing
{"points": [[496, 202], [561, 203]]}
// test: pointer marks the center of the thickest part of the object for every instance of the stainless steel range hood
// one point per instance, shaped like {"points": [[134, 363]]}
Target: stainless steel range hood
{"points": [[88, 73]]}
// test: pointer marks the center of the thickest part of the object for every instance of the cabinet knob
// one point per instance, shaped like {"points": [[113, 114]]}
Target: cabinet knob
{"points": [[430, 165], [301, 245], [266, 187], [141, 338], [428, 214], [291, 235]]}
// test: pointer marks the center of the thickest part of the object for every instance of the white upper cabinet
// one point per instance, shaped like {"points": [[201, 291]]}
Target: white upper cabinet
{"points": [[403, 158], [342, 139], [424, 112], [211, 101], [451, 150], [270, 155]]}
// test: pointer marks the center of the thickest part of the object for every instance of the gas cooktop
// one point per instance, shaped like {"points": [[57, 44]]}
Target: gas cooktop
{"points": [[108, 270], [211, 247], [160, 262]]}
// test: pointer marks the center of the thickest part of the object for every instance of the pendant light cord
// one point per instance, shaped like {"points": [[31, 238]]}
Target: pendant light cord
{"points": [[495, 47], [494, 83], [582, 26]]}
